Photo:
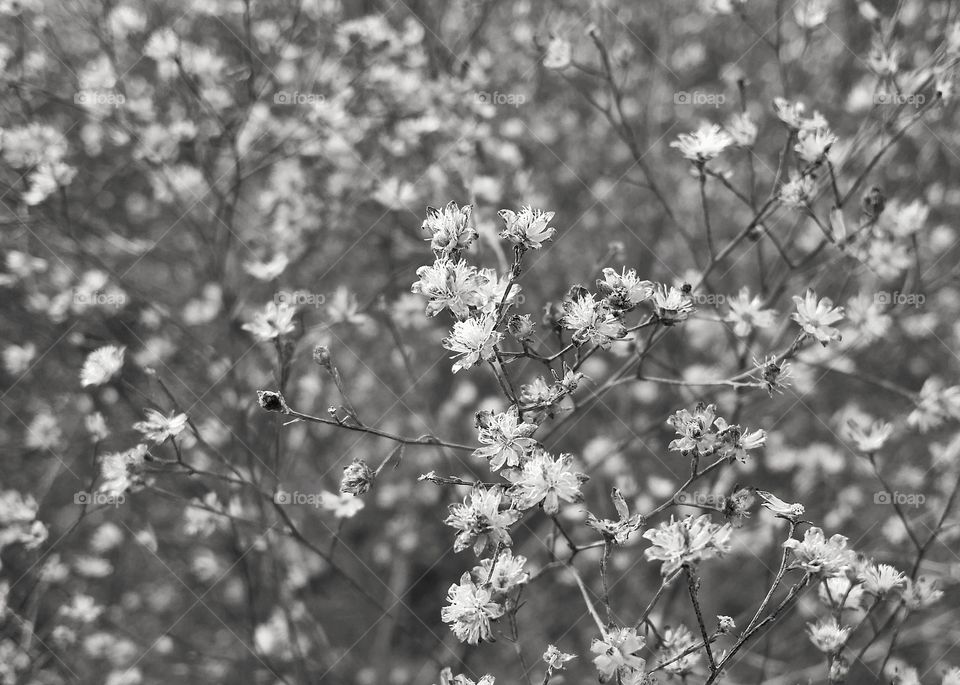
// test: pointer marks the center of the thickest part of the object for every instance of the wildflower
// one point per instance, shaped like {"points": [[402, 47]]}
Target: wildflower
{"points": [[343, 504], [726, 624], [791, 512], [492, 290], [592, 321], [624, 290], [811, 13], [815, 315], [921, 593], [773, 373], [559, 54], [828, 636], [121, 470], [274, 321], [447, 678], [616, 654], [481, 522], [474, 340], [507, 575], [743, 129], [790, 113], [951, 677], [449, 285], [747, 313], [672, 305], [676, 642], [96, 426], [555, 659], [521, 327], [527, 228], [270, 400], [619, 531], [101, 365], [696, 430], [798, 191], [469, 610], [17, 358], [813, 146], [880, 579], [357, 478], [870, 438], [547, 480], [686, 542], [506, 437], [816, 554], [703, 144], [449, 228], [158, 427], [934, 405], [734, 443]]}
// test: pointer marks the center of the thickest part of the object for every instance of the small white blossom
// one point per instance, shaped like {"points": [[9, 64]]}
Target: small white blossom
{"points": [[828, 636], [274, 321], [158, 427], [101, 365], [474, 340], [703, 144], [469, 611], [529, 227], [815, 315], [687, 541]]}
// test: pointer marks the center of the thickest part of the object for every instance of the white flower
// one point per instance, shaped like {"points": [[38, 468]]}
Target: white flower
{"points": [[880, 579], [275, 320], [672, 305], [480, 520], [816, 554], [616, 653], [813, 146], [687, 541], [951, 677], [447, 678], [507, 575], [779, 507], [555, 659], [591, 321], [547, 480], [101, 365], [267, 270], [449, 228], [450, 285], [869, 438], [811, 13], [747, 313], [935, 405], [507, 439], [559, 54], [743, 129], [841, 593], [624, 290], [17, 358], [469, 611], [815, 316], [828, 636], [120, 470], [529, 228], [158, 427], [474, 340], [797, 191], [921, 593], [676, 642], [703, 144], [343, 504]]}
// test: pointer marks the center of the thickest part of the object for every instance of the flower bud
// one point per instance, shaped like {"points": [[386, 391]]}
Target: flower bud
{"points": [[321, 355], [521, 327], [357, 478], [272, 401]]}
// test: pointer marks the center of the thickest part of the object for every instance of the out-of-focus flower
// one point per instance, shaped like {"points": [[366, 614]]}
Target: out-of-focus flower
{"points": [[869, 438], [528, 228], [935, 405], [816, 316], [101, 365], [616, 654], [676, 652], [269, 269], [839, 592], [687, 541], [480, 520], [469, 611], [158, 427], [344, 505], [703, 144], [743, 129], [811, 13], [559, 54], [921, 593], [121, 470], [548, 480], [798, 191], [816, 554], [747, 313], [274, 321], [828, 636], [813, 146], [473, 340]]}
